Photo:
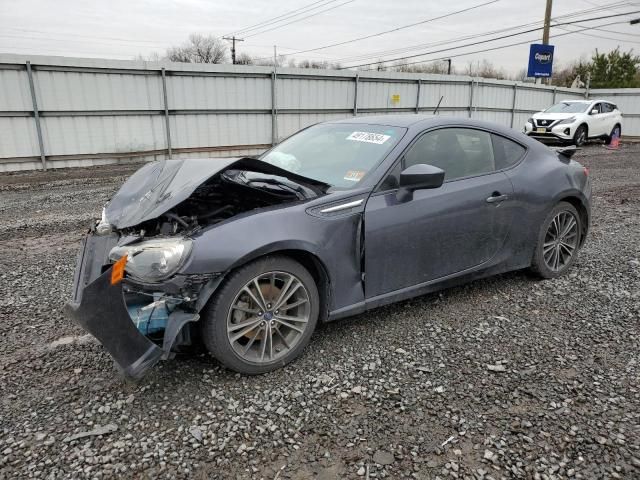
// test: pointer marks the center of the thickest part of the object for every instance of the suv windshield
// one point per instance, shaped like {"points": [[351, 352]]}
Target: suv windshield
{"points": [[339, 154], [568, 107]]}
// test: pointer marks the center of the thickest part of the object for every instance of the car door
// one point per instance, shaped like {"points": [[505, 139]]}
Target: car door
{"points": [[609, 117], [440, 231], [597, 121]]}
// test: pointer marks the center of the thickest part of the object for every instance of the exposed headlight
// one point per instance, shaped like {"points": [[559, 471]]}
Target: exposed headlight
{"points": [[567, 120], [153, 260]]}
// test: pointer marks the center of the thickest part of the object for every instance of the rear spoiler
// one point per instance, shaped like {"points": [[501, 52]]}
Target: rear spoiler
{"points": [[565, 151]]}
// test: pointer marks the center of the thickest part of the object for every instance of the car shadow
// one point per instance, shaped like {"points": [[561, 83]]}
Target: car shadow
{"points": [[335, 332]]}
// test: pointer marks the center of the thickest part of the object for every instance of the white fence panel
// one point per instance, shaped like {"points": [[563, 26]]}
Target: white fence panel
{"points": [[95, 111]]}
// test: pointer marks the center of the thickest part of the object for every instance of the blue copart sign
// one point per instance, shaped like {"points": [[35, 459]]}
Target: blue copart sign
{"points": [[540, 60]]}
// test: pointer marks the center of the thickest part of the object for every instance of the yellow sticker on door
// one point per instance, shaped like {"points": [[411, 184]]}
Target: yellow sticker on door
{"points": [[395, 99], [354, 175]]}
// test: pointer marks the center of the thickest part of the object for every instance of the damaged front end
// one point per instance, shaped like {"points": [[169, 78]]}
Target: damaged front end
{"points": [[129, 290], [138, 323]]}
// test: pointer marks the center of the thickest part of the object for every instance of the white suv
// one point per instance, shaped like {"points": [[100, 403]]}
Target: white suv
{"points": [[576, 121]]}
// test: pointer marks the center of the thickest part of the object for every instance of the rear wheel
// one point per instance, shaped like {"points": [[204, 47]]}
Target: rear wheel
{"points": [[263, 316], [615, 132], [580, 136], [558, 241]]}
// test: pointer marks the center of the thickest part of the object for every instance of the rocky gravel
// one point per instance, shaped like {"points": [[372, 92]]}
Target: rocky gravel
{"points": [[507, 377]]}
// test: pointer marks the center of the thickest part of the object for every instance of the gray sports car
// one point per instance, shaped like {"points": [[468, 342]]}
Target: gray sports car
{"points": [[247, 255]]}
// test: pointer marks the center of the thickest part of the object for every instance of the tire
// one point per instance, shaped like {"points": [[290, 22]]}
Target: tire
{"points": [[607, 140], [273, 342], [540, 264], [580, 136]]}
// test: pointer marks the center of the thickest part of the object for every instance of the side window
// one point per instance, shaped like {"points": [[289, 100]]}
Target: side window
{"points": [[607, 108], [597, 107], [507, 152], [460, 152]]}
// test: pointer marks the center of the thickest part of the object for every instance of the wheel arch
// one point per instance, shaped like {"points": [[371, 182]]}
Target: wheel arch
{"points": [[585, 125], [304, 256], [583, 211]]}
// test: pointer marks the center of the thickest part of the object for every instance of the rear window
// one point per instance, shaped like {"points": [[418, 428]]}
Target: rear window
{"points": [[507, 152]]}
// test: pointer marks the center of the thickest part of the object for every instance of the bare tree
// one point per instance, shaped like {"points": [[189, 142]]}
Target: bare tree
{"points": [[485, 69], [199, 49], [441, 67], [151, 57], [244, 58], [325, 65]]}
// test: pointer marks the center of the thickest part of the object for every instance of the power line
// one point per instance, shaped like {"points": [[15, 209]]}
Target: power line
{"points": [[598, 36], [415, 47], [490, 49], [634, 35], [432, 44], [402, 27], [280, 18], [303, 18], [380, 53], [489, 40]]}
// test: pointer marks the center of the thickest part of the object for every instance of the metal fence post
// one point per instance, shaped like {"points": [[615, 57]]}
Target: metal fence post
{"points": [[36, 116], [418, 96], [166, 111], [274, 110], [470, 98], [513, 104], [555, 94], [355, 95]]}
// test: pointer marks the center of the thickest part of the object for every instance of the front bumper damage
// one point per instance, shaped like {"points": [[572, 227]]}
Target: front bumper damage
{"points": [[100, 308]]}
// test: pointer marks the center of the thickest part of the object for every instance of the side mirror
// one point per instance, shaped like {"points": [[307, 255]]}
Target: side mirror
{"points": [[595, 111], [418, 177]]}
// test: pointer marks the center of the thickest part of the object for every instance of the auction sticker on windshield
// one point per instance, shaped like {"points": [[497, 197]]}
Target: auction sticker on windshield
{"points": [[354, 175], [369, 137]]}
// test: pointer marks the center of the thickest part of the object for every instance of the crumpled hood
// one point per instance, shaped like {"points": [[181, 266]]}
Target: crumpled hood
{"points": [[159, 186]]}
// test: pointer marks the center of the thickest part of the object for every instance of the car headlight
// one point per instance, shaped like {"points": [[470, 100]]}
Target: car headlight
{"points": [[153, 260], [567, 120], [531, 122]]}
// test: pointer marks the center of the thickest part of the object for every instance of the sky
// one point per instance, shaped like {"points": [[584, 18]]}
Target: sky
{"points": [[123, 29]]}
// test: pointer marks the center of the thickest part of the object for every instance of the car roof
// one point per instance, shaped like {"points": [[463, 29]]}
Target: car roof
{"points": [[389, 120], [423, 121]]}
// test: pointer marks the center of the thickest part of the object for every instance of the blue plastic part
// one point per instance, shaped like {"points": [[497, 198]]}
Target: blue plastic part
{"points": [[150, 318]]}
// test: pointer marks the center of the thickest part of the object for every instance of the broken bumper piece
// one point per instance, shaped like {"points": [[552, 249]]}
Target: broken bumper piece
{"points": [[100, 308], [103, 313]]}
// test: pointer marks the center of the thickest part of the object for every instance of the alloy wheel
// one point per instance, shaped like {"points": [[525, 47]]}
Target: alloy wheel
{"points": [[560, 241], [268, 317]]}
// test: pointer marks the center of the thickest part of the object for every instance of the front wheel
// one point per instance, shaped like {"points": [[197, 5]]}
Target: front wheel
{"points": [[263, 316], [580, 137], [558, 241]]}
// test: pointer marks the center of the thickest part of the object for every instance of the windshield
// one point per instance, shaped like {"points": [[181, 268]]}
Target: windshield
{"points": [[339, 154], [568, 107]]}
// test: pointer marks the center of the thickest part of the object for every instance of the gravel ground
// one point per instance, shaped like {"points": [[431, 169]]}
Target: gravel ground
{"points": [[502, 378]]}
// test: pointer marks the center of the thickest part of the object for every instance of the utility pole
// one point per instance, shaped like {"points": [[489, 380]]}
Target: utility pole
{"points": [[233, 46], [449, 67], [547, 26], [547, 22]]}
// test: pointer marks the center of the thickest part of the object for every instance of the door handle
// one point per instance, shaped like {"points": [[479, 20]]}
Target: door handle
{"points": [[497, 198]]}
